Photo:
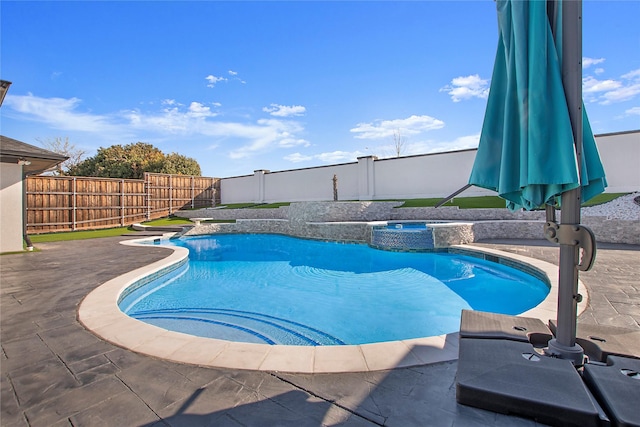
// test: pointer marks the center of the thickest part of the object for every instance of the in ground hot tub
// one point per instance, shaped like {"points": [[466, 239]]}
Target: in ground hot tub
{"points": [[403, 236]]}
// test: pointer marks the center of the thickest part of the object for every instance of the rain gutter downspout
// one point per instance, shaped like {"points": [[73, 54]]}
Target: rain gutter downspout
{"points": [[25, 236]]}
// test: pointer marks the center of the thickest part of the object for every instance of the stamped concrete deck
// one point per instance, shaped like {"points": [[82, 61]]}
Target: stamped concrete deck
{"points": [[56, 373]]}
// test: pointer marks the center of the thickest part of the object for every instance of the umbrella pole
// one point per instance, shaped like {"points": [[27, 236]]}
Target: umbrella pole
{"points": [[564, 345]]}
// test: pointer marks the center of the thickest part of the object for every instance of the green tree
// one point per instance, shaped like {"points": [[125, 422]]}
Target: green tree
{"points": [[180, 165], [132, 161]]}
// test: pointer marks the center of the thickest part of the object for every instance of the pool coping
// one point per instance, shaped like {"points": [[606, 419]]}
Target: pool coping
{"points": [[99, 313]]}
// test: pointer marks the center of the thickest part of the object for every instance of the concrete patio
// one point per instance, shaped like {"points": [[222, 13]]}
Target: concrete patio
{"points": [[56, 373]]}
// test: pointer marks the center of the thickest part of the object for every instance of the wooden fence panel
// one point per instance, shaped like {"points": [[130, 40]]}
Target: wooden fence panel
{"points": [[84, 203]]}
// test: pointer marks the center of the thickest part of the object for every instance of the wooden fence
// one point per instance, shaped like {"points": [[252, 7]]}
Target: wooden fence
{"points": [[85, 203]]}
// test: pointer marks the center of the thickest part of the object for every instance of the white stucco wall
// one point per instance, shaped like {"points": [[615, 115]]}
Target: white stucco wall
{"points": [[435, 175], [308, 184], [311, 184], [620, 155], [238, 189], [412, 177], [10, 207]]}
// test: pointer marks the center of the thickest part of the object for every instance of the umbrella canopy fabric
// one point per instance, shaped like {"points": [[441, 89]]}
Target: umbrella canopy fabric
{"points": [[526, 151]]}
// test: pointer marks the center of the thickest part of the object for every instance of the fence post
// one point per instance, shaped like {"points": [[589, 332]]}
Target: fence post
{"points": [[74, 203], [213, 192], [147, 189], [170, 194], [122, 203], [193, 192]]}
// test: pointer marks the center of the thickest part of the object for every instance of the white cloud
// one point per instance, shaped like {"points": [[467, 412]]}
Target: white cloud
{"points": [[60, 113], [412, 125], [622, 94], [428, 146], [197, 120], [338, 156], [197, 109], [588, 62], [297, 158], [610, 91], [591, 84], [598, 71], [388, 150], [234, 75], [632, 75], [460, 143], [288, 141], [633, 111], [285, 110], [467, 87], [213, 80], [267, 135], [328, 157]]}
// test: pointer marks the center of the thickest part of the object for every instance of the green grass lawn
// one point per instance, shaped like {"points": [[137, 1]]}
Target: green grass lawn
{"points": [[255, 205], [111, 232], [461, 202], [78, 235], [603, 198], [174, 220], [171, 220], [483, 202]]}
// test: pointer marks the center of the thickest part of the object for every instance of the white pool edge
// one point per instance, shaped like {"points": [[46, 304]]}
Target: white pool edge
{"points": [[99, 313]]}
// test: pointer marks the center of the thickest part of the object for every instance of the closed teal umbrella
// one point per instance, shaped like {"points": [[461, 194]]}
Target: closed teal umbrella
{"points": [[536, 144], [526, 152]]}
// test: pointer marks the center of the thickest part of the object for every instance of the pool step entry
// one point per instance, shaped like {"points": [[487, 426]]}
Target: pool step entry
{"points": [[236, 325]]}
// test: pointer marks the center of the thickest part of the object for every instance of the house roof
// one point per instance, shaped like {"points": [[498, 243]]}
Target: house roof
{"points": [[12, 150]]}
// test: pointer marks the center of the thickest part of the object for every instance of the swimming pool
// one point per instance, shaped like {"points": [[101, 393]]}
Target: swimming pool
{"points": [[277, 289]]}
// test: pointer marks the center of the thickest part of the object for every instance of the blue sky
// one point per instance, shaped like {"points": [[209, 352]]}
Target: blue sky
{"points": [[241, 86]]}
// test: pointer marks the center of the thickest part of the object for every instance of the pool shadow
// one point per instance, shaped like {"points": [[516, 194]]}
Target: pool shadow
{"points": [[421, 395], [292, 408]]}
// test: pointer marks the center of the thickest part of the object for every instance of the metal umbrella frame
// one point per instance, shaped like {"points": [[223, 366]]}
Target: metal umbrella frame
{"points": [[554, 171]]}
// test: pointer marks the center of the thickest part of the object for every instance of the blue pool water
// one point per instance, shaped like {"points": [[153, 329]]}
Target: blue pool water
{"points": [[282, 290], [407, 226]]}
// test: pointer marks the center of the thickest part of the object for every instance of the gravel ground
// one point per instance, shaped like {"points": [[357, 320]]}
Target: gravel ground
{"points": [[621, 208]]}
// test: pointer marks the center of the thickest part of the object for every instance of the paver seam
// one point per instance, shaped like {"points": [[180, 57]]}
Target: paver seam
{"points": [[329, 401], [63, 362], [99, 403], [373, 400], [136, 395], [13, 390]]}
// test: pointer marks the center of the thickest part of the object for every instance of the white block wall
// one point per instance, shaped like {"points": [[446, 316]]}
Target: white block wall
{"points": [[411, 177], [620, 155]]}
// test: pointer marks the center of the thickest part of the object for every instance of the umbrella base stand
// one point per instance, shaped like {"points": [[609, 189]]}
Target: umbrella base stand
{"points": [[511, 377], [575, 353]]}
